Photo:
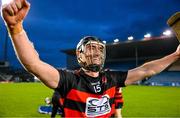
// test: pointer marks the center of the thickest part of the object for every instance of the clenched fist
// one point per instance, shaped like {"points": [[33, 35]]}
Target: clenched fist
{"points": [[14, 14]]}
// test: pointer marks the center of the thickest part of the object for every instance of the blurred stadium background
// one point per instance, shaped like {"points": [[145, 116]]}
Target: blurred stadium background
{"points": [[120, 56], [21, 93], [158, 96]]}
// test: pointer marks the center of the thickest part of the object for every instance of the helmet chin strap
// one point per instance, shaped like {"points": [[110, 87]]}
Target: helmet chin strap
{"points": [[93, 67]]}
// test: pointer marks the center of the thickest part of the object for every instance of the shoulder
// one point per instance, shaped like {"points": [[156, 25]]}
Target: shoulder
{"points": [[69, 75], [114, 72], [65, 72]]}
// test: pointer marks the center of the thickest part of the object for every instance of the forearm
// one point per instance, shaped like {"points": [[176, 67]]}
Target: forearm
{"points": [[24, 49], [154, 67], [29, 58], [151, 68], [13, 15]]}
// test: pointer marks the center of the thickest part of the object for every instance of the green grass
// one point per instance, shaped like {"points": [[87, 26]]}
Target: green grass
{"points": [[151, 101], [23, 99]]}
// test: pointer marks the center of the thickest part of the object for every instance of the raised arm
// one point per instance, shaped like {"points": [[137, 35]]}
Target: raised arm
{"points": [[13, 15], [152, 68]]}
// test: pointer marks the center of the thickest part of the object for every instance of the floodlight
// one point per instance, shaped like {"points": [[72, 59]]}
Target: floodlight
{"points": [[116, 40], [130, 38], [104, 42], [147, 35], [167, 33]]}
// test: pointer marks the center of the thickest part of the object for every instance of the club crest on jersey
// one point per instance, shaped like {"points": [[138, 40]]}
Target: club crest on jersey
{"points": [[97, 106]]}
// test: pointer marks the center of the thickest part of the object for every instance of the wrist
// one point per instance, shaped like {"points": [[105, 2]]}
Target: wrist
{"points": [[15, 29]]}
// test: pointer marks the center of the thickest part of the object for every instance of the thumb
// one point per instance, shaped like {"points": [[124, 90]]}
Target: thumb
{"points": [[26, 3]]}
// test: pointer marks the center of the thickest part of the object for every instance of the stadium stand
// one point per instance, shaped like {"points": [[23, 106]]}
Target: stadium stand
{"points": [[130, 54], [9, 74], [164, 79]]}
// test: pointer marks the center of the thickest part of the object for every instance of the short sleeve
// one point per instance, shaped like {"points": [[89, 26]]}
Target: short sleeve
{"points": [[119, 77], [66, 82]]}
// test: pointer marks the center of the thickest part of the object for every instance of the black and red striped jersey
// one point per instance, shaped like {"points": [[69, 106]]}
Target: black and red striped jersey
{"points": [[119, 98], [86, 96]]}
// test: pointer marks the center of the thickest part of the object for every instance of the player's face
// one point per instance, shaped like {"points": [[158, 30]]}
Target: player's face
{"points": [[94, 53]]}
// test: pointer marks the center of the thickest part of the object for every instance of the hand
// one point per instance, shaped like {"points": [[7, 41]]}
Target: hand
{"points": [[14, 13]]}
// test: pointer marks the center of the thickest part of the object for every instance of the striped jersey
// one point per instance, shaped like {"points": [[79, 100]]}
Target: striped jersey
{"points": [[119, 98], [86, 96]]}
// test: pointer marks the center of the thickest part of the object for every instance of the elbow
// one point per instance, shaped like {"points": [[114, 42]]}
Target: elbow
{"points": [[138, 74], [30, 66], [152, 72]]}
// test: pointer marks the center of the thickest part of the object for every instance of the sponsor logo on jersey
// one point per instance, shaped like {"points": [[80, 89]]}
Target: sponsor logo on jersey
{"points": [[97, 106]]}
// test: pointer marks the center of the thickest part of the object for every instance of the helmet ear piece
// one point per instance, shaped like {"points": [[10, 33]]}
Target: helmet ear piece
{"points": [[79, 56]]}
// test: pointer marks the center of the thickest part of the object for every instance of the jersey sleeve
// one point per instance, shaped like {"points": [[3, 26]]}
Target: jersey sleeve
{"points": [[118, 98], [66, 82], [119, 77]]}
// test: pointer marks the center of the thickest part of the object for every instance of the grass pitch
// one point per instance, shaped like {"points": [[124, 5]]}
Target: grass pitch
{"points": [[23, 100], [151, 101]]}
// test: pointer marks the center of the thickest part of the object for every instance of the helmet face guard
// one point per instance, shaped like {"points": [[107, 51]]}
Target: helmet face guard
{"points": [[91, 53]]}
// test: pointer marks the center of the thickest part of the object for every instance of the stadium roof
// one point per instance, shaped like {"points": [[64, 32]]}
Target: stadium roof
{"points": [[145, 49]]}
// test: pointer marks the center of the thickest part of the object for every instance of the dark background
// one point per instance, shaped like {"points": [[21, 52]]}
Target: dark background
{"points": [[53, 25]]}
